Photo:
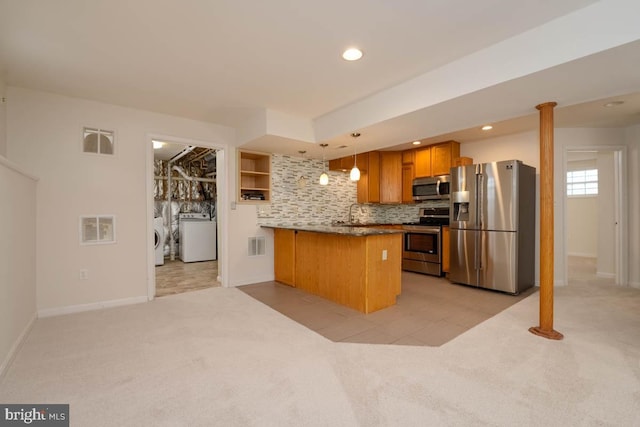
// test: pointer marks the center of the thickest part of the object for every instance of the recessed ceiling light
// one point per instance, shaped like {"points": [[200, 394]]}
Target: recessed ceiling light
{"points": [[613, 103], [416, 142], [352, 54], [157, 145], [487, 127]]}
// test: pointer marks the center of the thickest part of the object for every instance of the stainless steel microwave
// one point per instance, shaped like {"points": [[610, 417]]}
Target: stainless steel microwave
{"points": [[430, 188]]}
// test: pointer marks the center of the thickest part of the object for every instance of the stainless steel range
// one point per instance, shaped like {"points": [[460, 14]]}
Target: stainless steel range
{"points": [[422, 247]]}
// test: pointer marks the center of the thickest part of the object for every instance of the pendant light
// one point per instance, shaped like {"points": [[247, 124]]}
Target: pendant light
{"points": [[324, 178], [302, 180], [354, 175]]}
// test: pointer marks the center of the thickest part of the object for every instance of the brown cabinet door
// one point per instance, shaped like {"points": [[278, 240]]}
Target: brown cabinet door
{"points": [[343, 164], [423, 162], [442, 156], [390, 177], [446, 257], [408, 157], [369, 184], [284, 255], [335, 165], [408, 174]]}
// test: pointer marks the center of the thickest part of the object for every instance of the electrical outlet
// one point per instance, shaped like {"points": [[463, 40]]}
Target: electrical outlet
{"points": [[384, 254], [84, 274]]}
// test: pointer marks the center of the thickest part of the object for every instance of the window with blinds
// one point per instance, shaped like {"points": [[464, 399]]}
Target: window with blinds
{"points": [[582, 183]]}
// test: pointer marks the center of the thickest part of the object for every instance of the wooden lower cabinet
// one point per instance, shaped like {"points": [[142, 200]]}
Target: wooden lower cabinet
{"points": [[348, 270], [446, 251], [285, 256]]}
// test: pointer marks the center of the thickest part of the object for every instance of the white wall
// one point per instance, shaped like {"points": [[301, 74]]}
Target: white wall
{"points": [[17, 258], [523, 146], [606, 215], [582, 212], [582, 226], [249, 269], [44, 134], [3, 118], [632, 139]]}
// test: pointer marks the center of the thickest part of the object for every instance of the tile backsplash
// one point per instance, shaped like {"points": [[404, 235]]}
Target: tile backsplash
{"points": [[298, 198]]}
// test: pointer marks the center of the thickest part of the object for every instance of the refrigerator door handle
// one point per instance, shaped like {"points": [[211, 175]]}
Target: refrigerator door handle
{"points": [[480, 251], [479, 197], [476, 259]]}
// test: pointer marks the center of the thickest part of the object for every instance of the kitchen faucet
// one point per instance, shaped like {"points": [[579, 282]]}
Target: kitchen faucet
{"points": [[350, 214]]}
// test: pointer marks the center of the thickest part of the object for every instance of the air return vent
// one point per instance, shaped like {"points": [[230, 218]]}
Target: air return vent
{"points": [[98, 141], [256, 246]]}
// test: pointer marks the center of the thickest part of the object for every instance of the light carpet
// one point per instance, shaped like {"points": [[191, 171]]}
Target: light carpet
{"points": [[217, 357]]}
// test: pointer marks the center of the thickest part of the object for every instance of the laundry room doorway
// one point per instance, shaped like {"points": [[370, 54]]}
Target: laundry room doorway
{"points": [[185, 217]]}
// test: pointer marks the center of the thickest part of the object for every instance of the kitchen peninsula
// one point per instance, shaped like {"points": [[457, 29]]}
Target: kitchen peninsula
{"points": [[359, 267]]}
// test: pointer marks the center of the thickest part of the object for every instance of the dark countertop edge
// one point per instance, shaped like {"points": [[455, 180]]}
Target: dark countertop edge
{"points": [[341, 229]]}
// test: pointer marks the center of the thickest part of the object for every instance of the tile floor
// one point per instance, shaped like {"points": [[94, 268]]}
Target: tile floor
{"points": [[175, 277], [430, 311]]}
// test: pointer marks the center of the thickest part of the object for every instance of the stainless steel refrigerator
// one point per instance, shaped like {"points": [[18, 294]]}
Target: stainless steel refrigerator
{"points": [[493, 225]]}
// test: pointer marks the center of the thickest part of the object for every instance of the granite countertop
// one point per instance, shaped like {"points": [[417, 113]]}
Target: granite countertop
{"points": [[345, 230]]}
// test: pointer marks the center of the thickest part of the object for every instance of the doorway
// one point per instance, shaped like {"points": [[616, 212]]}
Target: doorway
{"points": [[595, 216], [184, 198]]}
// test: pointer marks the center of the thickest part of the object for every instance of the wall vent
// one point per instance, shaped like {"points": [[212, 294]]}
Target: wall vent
{"points": [[256, 246], [98, 141], [97, 229]]}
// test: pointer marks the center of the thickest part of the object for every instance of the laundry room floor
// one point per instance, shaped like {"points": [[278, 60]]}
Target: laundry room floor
{"points": [[176, 277]]}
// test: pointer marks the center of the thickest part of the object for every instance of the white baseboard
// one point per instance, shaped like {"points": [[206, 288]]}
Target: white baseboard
{"points": [[16, 346], [58, 311], [253, 280], [605, 275], [635, 285], [582, 255]]}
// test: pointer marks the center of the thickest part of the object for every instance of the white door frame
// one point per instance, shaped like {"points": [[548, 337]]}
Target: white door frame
{"points": [[221, 202], [620, 209]]}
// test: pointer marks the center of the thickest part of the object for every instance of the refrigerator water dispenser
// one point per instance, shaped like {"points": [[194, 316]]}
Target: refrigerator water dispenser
{"points": [[460, 205]]}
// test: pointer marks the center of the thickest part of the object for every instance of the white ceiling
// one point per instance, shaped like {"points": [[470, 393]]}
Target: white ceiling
{"points": [[278, 63]]}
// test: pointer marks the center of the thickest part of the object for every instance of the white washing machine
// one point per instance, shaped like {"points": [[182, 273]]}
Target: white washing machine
{"points": [[158, 228], [197, 235]]}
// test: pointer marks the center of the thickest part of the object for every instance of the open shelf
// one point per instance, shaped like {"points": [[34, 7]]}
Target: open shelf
{"points": [[254, 177]]}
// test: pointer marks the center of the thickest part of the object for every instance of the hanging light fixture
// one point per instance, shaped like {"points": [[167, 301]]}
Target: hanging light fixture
{"points": [[302, 180], [354, 175], [324, 178]]}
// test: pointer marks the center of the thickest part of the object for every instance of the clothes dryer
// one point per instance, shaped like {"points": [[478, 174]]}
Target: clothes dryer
{"points": [[158, 228]]}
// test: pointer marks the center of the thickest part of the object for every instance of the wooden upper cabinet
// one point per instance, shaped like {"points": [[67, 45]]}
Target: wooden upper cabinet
{"points": [[442, 157], [408, 173], [345, 164], [436, 159], [408, 157], [381, 181], [342, 164], [390, 177], [423, 162], [369, 184]]}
